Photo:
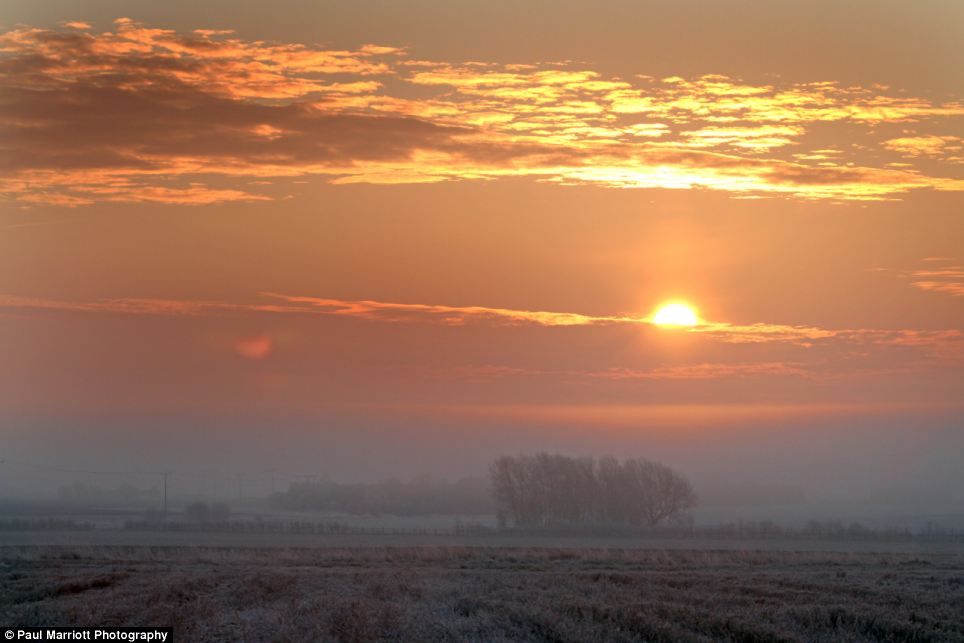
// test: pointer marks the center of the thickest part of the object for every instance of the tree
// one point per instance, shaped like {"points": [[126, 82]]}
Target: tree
{"points": [[664, 491]]}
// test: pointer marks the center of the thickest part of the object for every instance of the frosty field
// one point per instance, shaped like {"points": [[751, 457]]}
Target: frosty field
{"points": [[475, 593]]}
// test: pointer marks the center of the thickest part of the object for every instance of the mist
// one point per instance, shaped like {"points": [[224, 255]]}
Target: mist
{"points": [[875, 470]]}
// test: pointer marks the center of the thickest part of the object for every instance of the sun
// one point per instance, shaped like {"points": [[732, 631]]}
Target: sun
{"points": [[675, 315]]}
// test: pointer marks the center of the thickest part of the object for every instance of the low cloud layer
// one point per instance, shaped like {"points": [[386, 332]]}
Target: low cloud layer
{"points": [[140, 114], [755, 350]]}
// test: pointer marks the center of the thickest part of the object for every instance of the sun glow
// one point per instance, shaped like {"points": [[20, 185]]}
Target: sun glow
{"points": [[675, 315]]}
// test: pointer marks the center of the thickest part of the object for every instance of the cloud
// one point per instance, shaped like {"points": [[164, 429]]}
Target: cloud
{"points": [[943, 275], [449, 315], [761, 138], [634, 416], [722, 351], [140, 306], [954, 288], [949, 341], [145, 114], [814, 370], [700, 371], [949, 148]]}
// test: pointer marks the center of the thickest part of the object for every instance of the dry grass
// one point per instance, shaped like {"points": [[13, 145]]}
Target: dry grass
{"points": [[488, 594]]}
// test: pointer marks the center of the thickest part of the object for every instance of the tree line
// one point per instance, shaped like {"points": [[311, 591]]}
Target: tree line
{"points": [[546, 490], [420, 496]]}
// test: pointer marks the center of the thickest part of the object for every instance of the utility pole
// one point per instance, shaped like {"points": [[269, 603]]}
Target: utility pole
{"points": [[165, 473]]}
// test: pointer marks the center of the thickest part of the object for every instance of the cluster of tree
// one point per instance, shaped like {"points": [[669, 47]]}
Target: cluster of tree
{"points": [[421, 496], [544, 490]]}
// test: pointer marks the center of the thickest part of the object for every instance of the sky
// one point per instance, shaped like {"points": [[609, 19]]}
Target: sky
{"points": [[381, 238]]}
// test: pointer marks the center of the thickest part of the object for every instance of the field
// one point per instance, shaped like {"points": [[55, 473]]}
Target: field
{"points": [[476, 593]]}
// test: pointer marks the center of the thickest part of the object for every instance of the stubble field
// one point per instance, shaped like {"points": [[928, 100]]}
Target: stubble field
{"points": [[459, 593]]}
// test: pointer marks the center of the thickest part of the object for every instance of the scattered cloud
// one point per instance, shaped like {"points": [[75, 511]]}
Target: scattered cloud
{"points": [[943, 275], [948, 148], [141, 114], [762, 138]]}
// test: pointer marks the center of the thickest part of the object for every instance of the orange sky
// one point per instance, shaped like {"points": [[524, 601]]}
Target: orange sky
{"points": [[295, 219]]}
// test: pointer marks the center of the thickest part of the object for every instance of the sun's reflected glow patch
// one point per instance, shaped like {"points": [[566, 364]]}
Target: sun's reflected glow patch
{"points": [[675, 314], [254, 348]]}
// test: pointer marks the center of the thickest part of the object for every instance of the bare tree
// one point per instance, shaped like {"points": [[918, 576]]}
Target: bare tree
{"points": [[546, 490], [664, 492]]}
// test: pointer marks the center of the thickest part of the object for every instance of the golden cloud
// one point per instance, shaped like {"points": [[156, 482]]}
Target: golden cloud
{"points": [[951, 148], [145, 114]]}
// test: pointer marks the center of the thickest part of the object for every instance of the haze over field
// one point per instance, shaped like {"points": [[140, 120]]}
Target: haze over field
{"points": [[371, 240]]}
